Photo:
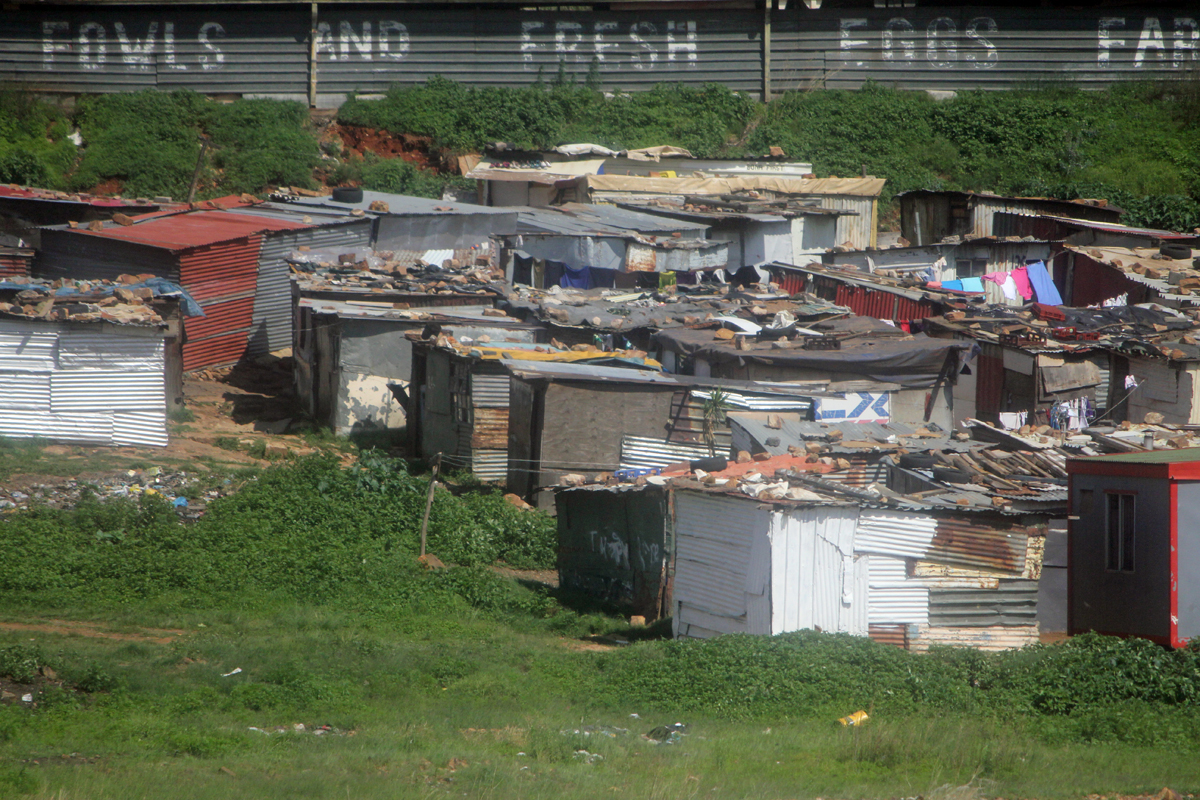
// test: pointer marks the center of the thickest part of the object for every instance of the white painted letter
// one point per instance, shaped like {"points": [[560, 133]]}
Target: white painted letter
{"points": [[648, 58], [1105, 42], [598, 43], [217, 59], [689, 47], [561, 48], [903, 26], [387, 28], [86, 31], [528, 45], [1151, 37], [990, 56], [169, 46], [137, 52], [347, 36], [945, 56], [848, 44], [1186, 35], [325, 42], [50, 47]]}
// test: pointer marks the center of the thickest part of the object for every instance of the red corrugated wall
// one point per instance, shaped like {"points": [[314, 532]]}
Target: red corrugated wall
{"points": [[222, 278], [867, 302], [989, 385], [15, 264], [1094, 283]]}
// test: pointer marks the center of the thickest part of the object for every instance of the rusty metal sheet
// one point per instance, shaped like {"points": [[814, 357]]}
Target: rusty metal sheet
{"points": [[978, 543], [896, 635], [490, 429], [640, 258]]}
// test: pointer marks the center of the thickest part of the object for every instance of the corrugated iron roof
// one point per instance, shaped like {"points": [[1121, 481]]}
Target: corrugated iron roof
{"points": [[185, 231]]}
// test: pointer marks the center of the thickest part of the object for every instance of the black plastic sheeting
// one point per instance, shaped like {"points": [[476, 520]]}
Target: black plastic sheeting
{"points": [[912, 363]]}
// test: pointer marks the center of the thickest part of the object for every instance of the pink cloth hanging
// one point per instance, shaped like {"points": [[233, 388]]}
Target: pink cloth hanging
{"points": [[1020, 277]]}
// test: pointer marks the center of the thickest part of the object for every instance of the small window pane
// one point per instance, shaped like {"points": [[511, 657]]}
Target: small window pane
{"points": [[1113, 531], [1128, 526]]}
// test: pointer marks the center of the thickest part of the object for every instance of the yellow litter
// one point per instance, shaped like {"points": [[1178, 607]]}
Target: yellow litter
{"points": [[857, 718]]}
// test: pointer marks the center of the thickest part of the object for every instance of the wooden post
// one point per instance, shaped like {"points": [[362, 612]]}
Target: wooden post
{"points": [[196, 173], [437, 462]]}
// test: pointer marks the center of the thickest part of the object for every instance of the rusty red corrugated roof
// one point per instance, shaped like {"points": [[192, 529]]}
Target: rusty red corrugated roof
{"points": [[193, 229]]}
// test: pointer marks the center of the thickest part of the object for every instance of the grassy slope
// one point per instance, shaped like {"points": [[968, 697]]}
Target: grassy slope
{"points": [[446, 704], [307, 585]]}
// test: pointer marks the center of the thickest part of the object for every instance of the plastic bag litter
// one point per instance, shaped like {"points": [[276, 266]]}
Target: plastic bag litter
{"points": [[857, 718], [667, 734]]}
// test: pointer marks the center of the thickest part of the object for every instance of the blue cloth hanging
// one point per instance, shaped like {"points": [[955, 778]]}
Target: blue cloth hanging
{"points": [[1047, 292]]}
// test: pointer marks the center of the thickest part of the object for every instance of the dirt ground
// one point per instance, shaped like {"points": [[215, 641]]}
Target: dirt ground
{"points": [[93, 631]]}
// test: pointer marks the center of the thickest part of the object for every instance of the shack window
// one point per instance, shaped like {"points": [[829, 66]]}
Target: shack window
{"points": [[1120, 527], [970, 267], [460, 393]]}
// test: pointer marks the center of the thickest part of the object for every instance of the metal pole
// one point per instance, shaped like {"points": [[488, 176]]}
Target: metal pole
{"points": [[312, 58], [437, 462], [766, 55]]}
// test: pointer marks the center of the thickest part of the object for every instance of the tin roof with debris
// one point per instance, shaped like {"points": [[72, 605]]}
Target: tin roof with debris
{"points": [[184, 230], [138, 300]]}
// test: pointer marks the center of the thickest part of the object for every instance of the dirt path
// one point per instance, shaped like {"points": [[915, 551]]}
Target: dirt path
{"points": [[90, 630]]}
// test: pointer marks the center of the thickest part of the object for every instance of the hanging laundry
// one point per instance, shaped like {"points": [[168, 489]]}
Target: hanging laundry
{"points": [[955, 286], [1047, 292], [573, 278], [1020, 277], [1009, 287], [998, 277], [1011, 420], [972, 285]]}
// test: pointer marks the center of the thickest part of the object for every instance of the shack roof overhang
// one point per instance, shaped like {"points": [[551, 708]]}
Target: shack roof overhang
{"points": [[1181, 464], [988, 196], [566, 373], [914, 363], [185, 230]]}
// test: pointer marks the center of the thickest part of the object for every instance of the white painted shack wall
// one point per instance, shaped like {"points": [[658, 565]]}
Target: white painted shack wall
{"points": [[367, 404], [103, 384], [816, 580], [891, 537], [722, 566]]}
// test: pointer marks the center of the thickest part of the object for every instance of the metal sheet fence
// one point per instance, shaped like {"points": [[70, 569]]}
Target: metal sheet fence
{"points": [[265, 50]]}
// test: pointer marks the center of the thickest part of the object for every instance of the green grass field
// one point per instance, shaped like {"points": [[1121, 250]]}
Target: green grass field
{"points": [[274, 612]]}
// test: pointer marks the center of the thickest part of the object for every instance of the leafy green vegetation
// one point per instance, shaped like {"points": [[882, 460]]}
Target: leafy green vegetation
{"points": [[460, 118], [398, 176], [34, 148], [208, 653], [1137, 145]]}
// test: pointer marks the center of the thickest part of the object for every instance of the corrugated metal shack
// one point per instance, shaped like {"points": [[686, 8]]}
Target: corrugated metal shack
{"points": [[462, 407], [857, 195], [402, 222], [615, 545], [24, 210], [1134, 554], [917, 371], [642, 419], [586, 246], [949, 261], [271, 324], [757, 231], [928, 217], [1085, 232], [214, 255], [913, 578], [84, 366], [353, 360], [867, 295]]}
